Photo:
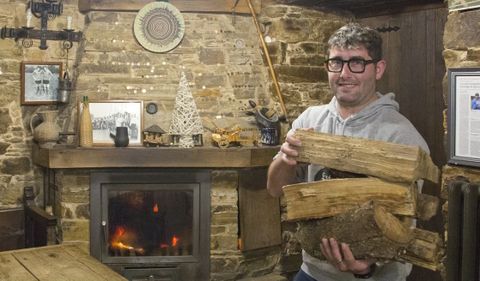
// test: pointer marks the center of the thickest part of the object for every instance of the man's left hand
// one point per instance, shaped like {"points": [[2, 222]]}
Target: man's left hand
{"points": [[341, 257]]}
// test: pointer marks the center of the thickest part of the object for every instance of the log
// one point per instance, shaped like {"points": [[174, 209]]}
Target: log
{"points": [[328, 198], [370, 231], [427, 206], [386, 160], [425, 250]]}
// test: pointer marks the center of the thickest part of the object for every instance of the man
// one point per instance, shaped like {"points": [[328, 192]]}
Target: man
{"points": [[354, 65], [476, 101]]}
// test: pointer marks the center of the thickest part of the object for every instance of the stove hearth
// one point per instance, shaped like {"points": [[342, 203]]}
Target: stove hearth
{"points": [[152, 225]]}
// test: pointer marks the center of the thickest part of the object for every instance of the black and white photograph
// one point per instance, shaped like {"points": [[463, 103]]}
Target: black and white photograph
{"points": [[108, 115], [40, 82]]}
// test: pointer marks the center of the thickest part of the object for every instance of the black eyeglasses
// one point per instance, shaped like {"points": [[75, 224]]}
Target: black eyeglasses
{"points": [[356, 65]]}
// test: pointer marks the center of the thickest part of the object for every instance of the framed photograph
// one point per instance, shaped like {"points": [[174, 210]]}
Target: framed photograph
{"points": [[107, 115], [464, 116], [40, 82]]}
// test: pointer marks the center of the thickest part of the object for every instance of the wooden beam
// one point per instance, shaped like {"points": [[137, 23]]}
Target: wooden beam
{"points": [[206, 6], [65, 157], [386, 160], [332, 197]]}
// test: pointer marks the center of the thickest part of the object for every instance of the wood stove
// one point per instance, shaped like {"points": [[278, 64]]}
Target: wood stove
{"points": [[152, 225]]}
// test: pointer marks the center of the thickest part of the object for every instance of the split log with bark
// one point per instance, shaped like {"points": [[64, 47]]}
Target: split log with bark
{"points": [[372, 215], [373, 232], [321, 199], [386, 160]]}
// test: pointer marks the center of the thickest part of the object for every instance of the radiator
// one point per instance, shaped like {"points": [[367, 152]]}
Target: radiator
{"points": [[463, 242]]}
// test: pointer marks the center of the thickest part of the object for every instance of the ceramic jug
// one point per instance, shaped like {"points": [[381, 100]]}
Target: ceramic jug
{"points": [[46, 133], [121, 137]]}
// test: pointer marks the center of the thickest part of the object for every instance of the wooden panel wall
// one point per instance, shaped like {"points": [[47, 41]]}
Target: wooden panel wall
{"points": [[415, 69]]}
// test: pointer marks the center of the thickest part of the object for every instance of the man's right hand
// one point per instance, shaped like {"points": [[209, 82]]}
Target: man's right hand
{"points": [[282, 170], [289, 148]]}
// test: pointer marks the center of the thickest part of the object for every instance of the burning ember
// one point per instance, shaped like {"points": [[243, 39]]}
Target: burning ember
{"points": [[123, 242], [119, 239]]}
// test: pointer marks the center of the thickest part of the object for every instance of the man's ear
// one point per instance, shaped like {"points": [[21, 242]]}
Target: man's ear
{"points": [[380, 67]]}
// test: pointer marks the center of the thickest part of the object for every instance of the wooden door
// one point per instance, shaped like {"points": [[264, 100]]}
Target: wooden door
{"points": [[415, 70]]}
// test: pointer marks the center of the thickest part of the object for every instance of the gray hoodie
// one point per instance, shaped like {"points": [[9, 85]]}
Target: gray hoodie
{"points": [[380, 120]]}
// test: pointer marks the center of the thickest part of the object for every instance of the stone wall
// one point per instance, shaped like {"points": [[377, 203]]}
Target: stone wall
{"points": [[16, 168], [461, 49]]}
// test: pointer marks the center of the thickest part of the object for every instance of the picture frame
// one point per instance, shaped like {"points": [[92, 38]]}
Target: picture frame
{"points": [[39, 82], [463, 117], [459, 5], [106, 115]]}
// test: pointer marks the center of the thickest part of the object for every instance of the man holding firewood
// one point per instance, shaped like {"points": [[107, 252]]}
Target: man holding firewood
{"points": [[354, 65]]}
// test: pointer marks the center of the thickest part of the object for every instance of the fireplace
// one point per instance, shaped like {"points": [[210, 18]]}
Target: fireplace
{"points": [[152, 225]]}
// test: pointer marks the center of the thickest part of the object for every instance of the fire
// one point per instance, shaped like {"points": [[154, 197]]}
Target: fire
{"points": [[119, 231], [120, 245], [155, 208], [118, 239], [175, 240]]}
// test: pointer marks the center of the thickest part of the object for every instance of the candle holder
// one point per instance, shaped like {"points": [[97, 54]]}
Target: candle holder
{"points": [[44, 10]]}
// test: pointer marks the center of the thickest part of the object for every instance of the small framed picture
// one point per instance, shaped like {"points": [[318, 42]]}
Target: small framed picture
{"points": [[464, 116], [40, 82], [107, 115]]}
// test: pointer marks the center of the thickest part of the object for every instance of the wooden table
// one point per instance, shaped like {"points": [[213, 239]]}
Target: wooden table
{"points": [[66, 262]]}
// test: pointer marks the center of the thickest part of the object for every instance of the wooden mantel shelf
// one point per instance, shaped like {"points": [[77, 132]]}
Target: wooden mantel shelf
{"points": [[151, 157]]}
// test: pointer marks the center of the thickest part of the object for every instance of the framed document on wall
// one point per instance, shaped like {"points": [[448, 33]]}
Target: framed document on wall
{"points": [[464, 116]]}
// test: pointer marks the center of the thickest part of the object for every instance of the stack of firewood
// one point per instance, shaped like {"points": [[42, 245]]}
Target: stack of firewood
{"points": [[374, 214]]}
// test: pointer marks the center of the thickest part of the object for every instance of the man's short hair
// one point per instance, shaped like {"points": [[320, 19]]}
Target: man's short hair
{"points": [[353, 35]]}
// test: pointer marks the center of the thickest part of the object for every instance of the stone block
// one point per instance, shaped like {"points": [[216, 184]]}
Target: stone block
{"points": [[5, 120], [83, 211], [314, 60], [211, 56], [15, 165], [224, 242], [224, 263], [301, 74], [75, 230], [224, 218], [3, 147], [461, 30], [210, 81]]}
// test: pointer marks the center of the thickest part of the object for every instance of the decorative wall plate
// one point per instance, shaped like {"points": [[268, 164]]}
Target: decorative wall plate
{"points": [[159, 27]]}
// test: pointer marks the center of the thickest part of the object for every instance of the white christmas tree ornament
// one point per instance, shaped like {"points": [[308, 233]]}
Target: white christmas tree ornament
{"points": [[186, 121]]}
